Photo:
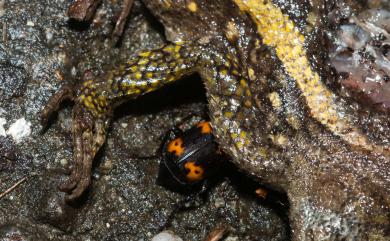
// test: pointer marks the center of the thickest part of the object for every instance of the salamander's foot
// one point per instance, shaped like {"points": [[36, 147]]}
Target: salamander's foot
{"points": [[88, 137], [65, 93]]}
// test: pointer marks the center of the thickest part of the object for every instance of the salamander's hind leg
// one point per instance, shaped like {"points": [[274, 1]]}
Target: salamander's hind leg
{"points": [[96, 98], [88, 136]]}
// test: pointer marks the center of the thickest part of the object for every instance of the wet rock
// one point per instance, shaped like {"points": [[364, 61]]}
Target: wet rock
{"points": [[46, 204], [361, 56], [12, 232], [13, 82]]}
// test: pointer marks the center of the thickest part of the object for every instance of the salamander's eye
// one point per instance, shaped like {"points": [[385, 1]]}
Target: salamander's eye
{"points": [[176, 146]]}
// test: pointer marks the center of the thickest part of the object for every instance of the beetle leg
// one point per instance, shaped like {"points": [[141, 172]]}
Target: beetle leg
{"points": [[188, 202]]}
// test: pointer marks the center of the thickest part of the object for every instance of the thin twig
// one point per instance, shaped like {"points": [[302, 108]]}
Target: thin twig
{"points": [[5, 33], [13, 187], [217, 233], [120, 23]]}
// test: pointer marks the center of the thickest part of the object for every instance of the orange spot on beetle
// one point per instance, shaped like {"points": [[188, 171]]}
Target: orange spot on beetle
{"points": [[205, 127], [176, 146], [195, 172]]}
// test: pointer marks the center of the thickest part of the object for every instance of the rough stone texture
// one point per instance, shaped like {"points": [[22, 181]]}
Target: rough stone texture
{"points": [[361, 56], [41, 50]]}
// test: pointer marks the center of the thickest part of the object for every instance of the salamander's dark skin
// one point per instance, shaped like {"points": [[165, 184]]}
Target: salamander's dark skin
{"points": [[271, 110], [188, 157]]}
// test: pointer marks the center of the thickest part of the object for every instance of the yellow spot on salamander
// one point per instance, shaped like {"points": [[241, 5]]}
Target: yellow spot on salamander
{"points": [[149, 75], [169, 48], [263, 152], [239, 144], [143, 61], [87, 83], [153, 64], [279, 140], [145, 54], [134, 68], [228, 114], [172, 65], [192, 6], [177, 48], [138, 75], [243, 83], [239, 91], [243, 134], [251, 74], [293, 121], [223, 72], [275, 100], [231, 31], [233, 135], [248, 103]]}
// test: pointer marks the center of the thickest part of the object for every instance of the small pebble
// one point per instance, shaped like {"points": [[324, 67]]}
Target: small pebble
{"points": [[64, 162], [30, 23], [2, 130], [49, 34], [219, 203], [231, 239], [19, 129], [107, 166], [166, 235]]}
